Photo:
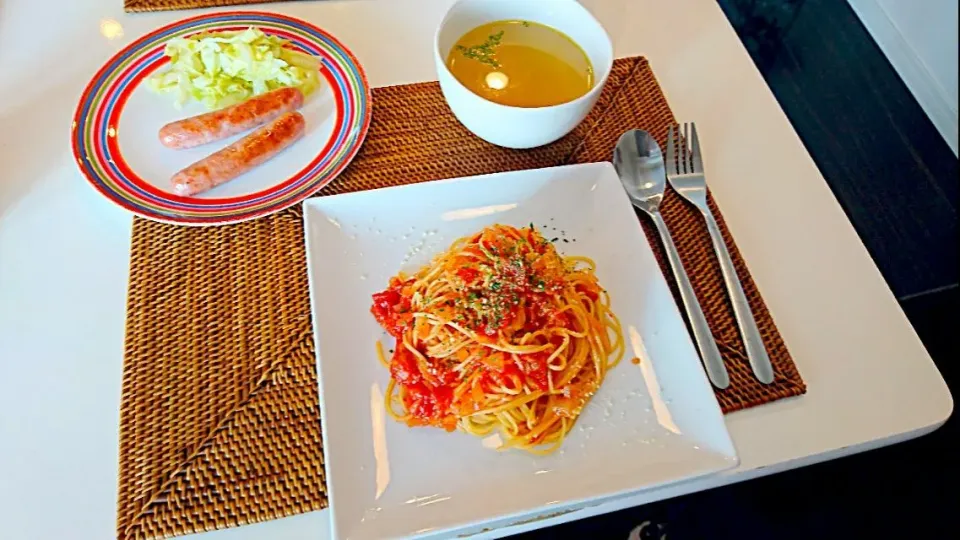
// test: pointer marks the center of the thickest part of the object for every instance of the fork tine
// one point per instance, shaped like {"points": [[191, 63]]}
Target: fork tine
{"points": [[671, 152], [697, 160], [685, 144], [678, 144]]}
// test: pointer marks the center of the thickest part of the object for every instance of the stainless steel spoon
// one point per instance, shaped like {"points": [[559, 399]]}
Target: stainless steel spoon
{"points": [[639, 164]]}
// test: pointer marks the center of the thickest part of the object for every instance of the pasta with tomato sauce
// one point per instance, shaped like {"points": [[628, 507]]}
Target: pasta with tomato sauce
{"points": [[500, 332]]}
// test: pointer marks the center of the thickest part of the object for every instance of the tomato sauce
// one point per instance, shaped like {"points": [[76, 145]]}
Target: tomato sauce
{"points": [[429, 406], [536, 369], [468, 275], [392, 309]]}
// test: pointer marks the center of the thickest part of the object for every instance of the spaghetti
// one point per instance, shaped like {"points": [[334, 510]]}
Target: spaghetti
{"points": [[499, 332]]}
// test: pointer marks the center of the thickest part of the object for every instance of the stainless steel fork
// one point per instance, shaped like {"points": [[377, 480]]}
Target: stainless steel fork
{"points": [[685, 174]]}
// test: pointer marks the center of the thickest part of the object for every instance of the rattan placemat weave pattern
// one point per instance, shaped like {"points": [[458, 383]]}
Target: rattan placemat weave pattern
{"points": [[219, 421], [169, 5]]}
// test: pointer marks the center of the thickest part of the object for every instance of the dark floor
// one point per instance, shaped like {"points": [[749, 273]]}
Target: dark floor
{"points": [[898, 182], [890, 169]]}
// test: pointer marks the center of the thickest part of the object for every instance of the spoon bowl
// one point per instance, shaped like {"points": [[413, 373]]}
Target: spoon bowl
{"points": [[639, 164]]}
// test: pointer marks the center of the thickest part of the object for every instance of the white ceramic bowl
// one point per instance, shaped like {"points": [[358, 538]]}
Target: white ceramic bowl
{"points": [[521, 127]]}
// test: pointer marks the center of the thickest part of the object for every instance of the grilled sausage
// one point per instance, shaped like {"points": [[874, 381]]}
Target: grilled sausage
{"points": [[216, 125], [241, 156]]}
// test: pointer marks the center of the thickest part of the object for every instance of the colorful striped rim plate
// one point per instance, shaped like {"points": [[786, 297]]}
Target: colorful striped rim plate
{"points": [[115, 142]]}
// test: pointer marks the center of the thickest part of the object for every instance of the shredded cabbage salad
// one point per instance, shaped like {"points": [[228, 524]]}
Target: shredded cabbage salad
{"points": [[224, 68]]}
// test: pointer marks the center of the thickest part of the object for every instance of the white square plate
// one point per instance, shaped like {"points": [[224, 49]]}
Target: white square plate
{"points": [[649, 424]]}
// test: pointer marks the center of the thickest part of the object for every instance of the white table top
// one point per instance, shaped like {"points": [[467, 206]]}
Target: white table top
{"points": [[64, 254]]}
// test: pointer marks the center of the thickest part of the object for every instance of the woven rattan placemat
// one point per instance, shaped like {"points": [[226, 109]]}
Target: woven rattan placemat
{"points": [[219, 420], [169, 5]]}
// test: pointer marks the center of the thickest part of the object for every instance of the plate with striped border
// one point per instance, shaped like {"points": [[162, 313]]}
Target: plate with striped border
{"points": [[116, 124]]}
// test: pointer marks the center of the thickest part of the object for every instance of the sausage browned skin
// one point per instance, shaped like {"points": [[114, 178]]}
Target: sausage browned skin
{"points": [[240, 157], [216, 125]]}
